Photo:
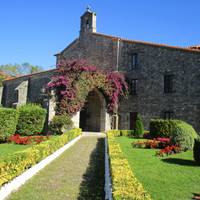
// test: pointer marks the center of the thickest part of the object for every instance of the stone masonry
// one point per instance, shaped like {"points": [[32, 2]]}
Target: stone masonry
{"points": [[154, 62]]}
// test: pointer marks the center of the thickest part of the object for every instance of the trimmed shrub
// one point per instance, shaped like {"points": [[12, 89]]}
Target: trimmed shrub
{"points": [[182, 134], [31, 119], [160, 128], [115, 133], [126, 132], [139, 127], [196, 150], [8, 122], [124, 183], [14, 164], [60, 124]]}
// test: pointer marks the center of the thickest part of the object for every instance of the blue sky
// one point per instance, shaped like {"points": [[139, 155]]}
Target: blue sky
{"points": [[34, 30]]}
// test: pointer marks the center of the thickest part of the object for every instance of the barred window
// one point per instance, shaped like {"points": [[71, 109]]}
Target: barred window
{"points": [[168, 83]]}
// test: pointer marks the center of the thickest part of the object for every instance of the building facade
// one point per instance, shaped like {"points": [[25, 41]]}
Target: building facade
{"points": [[164, 80]]}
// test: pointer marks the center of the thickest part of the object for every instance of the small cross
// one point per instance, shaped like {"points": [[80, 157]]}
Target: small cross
{"points": [[88, 8]]}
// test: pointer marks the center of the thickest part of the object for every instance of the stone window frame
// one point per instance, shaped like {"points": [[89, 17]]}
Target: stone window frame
{"points": [[168, 83], [134, 86], [134, 60]]}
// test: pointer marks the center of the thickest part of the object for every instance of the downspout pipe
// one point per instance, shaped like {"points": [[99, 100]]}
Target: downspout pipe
{"points": [[118, 51]]}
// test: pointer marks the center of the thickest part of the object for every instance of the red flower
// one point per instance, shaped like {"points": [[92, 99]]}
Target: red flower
{"points": [[17, 139]]}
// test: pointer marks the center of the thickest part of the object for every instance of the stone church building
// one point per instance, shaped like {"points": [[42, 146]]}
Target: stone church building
{"points": [[164, 80]]}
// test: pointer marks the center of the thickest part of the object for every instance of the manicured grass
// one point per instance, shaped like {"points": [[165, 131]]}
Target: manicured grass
{"points": [[174, 177], [6, 149], [77, 174], [10, 148]]}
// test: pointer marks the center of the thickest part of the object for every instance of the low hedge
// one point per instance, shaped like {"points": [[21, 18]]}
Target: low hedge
{"points": [[8, 122], [124, 183], [31, 119], [13, 165], [118, 133]]}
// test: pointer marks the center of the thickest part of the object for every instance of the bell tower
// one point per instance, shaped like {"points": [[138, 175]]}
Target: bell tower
{"points": [[88, 22]]}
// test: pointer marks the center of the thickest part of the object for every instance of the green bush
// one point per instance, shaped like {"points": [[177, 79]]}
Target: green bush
{"points": [[126, 132], [182, 134], [139, 127], [160, 128], [8, 122], [14, 164], [196, 150], [31, 119], [124, 183], [60, 124]]}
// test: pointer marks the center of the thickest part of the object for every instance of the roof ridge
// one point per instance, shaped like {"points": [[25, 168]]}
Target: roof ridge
{"points": [[148, 43]]}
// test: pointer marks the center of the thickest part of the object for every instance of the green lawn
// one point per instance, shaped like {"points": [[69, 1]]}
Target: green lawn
{"points": [[175, 177], [6, 149]]}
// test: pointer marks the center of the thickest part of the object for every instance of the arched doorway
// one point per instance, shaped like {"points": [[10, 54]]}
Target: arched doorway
{"points": [[92, 116]]}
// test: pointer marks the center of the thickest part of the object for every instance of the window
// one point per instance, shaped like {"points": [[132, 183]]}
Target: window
{"points": [[168, 83], [134, 61], [134, 87], [87, 24], [168, 114]]}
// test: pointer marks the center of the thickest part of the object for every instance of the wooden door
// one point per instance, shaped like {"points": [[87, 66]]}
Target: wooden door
{"points": [[133, 116]]}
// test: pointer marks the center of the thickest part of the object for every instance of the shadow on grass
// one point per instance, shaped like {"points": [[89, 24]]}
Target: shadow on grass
{"points": [[196, 196], [179, 161], [92, 186]]}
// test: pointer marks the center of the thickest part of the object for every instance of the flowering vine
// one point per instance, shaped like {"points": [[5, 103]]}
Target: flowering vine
{"points": [[75, 79]]}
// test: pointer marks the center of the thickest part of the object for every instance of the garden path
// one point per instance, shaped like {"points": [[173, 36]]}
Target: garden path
{"points": [[77, 174]]}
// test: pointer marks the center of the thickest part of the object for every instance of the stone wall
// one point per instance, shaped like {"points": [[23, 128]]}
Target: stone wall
{"points": [[154, 61], [31, 89]]}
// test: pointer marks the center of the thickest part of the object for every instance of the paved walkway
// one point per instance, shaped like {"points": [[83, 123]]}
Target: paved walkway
{"points": [[77, 174]]}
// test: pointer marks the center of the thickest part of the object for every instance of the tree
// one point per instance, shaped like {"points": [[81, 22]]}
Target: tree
{"points": [[139, 127], [2, 77], [17, 70]]}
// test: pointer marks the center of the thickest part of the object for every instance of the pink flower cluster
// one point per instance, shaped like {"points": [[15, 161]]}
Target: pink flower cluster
{"points": [[112, 84], [119, 88]]}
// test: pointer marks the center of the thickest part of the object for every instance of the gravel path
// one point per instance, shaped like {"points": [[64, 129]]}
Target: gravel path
{"points": [[77, 174]]}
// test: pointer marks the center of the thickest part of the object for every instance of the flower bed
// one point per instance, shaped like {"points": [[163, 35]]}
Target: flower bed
{"points": [[168, 150], [124, 183], [13, 165], [159, 143], [17, 139]]}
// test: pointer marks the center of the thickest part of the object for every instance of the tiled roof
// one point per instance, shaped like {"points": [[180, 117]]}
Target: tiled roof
{"points": [[148, 43], [197, 47], [5, 76], [29, 75]]}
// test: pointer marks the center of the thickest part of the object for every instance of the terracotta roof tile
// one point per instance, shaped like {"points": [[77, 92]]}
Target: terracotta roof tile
{"points": [[197, 47], [148, 43], [29, 75]]}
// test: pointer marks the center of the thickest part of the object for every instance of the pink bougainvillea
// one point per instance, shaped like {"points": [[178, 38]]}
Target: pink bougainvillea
{"points": [[75, 79]]}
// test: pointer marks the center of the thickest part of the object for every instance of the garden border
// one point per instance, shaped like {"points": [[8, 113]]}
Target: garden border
{"points": [[6, 189], [108, 184]]}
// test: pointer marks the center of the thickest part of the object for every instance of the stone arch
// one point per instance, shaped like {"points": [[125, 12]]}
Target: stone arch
{"points": [[94, 116]]}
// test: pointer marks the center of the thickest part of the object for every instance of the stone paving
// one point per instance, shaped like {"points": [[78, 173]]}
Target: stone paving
{"points": [[77, 174]]}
